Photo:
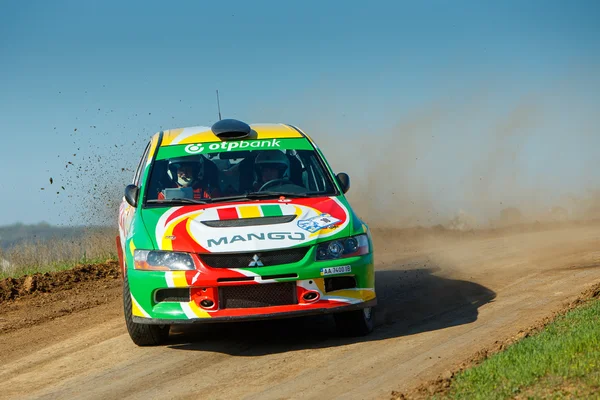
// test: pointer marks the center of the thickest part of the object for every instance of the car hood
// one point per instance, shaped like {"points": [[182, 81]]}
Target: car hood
{"points": [[248, 226]]}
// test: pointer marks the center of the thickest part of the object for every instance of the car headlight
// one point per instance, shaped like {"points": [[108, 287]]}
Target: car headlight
{"points": [[342, 248], [162, 260]]}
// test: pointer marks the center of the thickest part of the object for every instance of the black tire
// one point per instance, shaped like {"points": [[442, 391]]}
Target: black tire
{"points": [[355, 323], [142, 334]]}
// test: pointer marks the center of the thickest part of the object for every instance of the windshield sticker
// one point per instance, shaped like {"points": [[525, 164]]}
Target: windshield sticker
{"points": [[233, 146], [228, 146], [317, 223]]}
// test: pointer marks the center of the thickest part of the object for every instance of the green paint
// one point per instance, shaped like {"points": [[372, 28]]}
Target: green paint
{"points": [[271, 211], [143, 283], [142, 228]]}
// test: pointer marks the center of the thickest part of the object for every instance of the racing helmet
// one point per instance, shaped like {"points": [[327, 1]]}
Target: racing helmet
{"points": [[192, 166], [273, 159]]}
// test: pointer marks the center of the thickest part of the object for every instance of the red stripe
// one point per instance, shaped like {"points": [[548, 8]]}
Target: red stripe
{"points": [[233, 312], [183, 241], [183, 210], [227, 213]]}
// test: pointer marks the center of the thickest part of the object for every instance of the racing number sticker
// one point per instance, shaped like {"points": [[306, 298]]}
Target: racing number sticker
{"points": [[317, 223]]}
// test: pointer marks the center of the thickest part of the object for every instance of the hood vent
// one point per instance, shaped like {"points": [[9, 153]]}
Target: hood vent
{"points": [[237, 223]]}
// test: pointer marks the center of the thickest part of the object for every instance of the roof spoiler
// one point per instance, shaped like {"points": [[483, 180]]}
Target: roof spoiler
{"points": [[231, 129]]}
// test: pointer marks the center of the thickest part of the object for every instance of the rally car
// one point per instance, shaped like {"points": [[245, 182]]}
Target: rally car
{"points": [[240, 222]]}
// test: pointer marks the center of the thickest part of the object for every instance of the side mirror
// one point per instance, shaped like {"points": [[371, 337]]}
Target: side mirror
{"points": [[344, 181], [131, 195]]}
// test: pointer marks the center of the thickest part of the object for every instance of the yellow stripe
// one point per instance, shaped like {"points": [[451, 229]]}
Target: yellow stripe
{"points": [[131, 247], [275, 131], [153, 144], [188, 227], [250, 211], [320, 282], [259, 132], [323, 231], [167, 244], [200, 313], [362, 294], [200, 137], [169, 135], [188, 224], [136, 309], [179, 279]]}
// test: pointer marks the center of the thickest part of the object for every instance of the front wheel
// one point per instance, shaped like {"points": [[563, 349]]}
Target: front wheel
{"points": [[141, 334], [355, 323]]}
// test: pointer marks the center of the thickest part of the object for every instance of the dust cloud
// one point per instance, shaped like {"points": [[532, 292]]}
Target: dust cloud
{"points": [[468, 166], [461, 165]]}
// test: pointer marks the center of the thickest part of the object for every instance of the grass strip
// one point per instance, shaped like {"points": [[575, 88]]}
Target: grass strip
{"points": [[56, 254], [53, 266], [561, 361]]}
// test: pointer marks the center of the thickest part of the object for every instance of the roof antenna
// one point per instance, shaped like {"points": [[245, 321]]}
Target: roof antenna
{"points": [[218, 105]]}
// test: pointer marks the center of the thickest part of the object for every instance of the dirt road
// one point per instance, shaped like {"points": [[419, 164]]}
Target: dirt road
{"points": [[442, 298]]}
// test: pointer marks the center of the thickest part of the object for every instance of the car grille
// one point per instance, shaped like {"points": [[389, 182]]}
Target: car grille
{"points": [[261, 295], [245, 260]]}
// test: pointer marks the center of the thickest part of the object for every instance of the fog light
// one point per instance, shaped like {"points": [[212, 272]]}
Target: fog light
{"points": [[207, 303]]}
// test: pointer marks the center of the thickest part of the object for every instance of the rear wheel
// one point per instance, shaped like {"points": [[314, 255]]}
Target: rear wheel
{"points": [[355, 323], [141, 334]]}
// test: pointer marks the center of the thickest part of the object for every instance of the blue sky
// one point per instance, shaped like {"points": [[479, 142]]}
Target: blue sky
{"points": [[497, 101]]}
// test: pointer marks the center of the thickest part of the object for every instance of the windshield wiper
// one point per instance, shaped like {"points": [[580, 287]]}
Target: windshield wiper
{"points": [[259, 195], [177, 200], [284, 194]]}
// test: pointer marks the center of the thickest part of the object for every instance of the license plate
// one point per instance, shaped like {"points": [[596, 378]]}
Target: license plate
{"points": [[336, 270]]}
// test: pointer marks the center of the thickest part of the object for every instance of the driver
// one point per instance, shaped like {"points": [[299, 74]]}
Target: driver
{"points": [[269, 166], [189, 172]]}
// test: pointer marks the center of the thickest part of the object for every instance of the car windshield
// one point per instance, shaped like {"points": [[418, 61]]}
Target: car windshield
{"points": [[220, 176]]}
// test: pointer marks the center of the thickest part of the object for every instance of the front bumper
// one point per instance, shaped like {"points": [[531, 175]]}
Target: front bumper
{"points": [[207, 283], [259, 317]]}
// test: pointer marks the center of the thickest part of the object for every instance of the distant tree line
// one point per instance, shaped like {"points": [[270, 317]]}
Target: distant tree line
{"points": [[11, 235]]}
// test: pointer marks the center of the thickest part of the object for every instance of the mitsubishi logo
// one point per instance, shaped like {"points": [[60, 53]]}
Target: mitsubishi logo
{"points": [[256, 261]]}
